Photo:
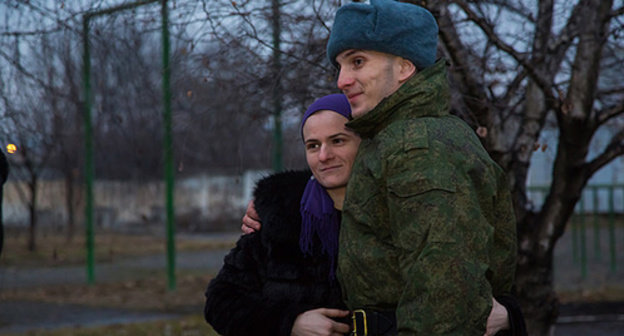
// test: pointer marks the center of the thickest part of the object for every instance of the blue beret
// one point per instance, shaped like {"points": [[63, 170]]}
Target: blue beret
{"points": [[388, 26]]}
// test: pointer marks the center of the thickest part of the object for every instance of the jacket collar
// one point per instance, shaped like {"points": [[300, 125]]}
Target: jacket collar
{"points": [[425, 94]]}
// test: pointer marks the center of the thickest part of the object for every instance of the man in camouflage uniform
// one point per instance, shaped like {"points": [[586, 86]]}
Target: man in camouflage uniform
{"points": [[428, 232]]}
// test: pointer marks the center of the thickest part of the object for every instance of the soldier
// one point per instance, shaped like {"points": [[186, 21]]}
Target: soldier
{"points": [[428, 231], [281, 280]]}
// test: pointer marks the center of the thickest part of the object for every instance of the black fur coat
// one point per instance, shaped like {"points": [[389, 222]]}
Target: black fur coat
{"points": [[266, 281]]}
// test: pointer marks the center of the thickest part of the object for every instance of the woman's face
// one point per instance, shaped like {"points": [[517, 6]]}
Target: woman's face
{"points": [[330, 148]]}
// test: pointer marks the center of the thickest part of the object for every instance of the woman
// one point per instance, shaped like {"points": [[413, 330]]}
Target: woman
{"points": [[281, 279]]}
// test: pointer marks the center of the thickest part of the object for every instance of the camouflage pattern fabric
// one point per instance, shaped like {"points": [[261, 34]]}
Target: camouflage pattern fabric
{"points": [[428, 226]]}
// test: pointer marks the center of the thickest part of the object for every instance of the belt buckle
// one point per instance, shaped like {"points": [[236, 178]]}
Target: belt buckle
{"points": [[354, 318]]}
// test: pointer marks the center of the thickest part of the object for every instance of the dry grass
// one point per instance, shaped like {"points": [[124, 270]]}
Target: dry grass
{"points": [[193, 325], [603, 294], [146, 294], [150, 294], [56, 250]]}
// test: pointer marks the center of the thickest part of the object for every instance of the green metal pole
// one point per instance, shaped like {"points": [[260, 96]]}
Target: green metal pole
{"points": [[89, 170], [583, 245], [88, 152], [168, 150], [121, 7], [612, 228], [596, 224], [575, 237]]}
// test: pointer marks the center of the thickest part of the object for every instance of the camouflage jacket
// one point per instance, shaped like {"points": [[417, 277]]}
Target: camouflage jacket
{"points": [[428, 227]]}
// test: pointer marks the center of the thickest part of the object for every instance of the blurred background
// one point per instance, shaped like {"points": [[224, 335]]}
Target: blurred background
{"points": [[134, 132]]}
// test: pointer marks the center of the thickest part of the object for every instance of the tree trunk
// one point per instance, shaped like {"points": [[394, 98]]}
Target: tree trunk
{"points": [[539, 233], [32, 209], [534, 283], [69, 204]]}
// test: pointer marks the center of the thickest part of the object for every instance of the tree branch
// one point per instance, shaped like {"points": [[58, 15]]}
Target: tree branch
{"points": [[613, 150], [25, 72], [611, 113], [617, 12], [513, 87], [583, 85], [62, 22], [478, 107], [510, 6], [29, 33], [519, 57], [557, 49]]}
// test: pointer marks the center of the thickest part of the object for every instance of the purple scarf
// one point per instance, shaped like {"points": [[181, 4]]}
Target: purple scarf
{"points": [[319, 218]]}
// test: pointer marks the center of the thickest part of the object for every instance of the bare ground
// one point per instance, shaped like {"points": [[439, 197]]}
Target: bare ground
{"points": [[136, 285]]}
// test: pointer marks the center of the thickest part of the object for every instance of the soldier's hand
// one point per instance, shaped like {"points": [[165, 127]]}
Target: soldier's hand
{"points": [[498, 319], [251, 220], [318, 322]]}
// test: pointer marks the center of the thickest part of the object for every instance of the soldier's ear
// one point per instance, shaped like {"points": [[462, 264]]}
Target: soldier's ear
{"points": [[407, 69]]}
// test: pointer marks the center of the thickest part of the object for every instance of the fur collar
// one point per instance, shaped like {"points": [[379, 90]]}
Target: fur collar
{"points": [[277, 200]]}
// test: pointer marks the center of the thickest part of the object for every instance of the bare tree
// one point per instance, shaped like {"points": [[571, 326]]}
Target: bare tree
{"points": [[28, 122], [230, 79], [516, 63], [222, 86], [30, 130], [44, 75], [67, 129]]}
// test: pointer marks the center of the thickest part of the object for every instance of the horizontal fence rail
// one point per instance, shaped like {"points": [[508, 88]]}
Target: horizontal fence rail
{"points": [[601, 205]]}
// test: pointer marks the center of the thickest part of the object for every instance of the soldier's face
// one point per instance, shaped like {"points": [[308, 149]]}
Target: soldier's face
{"points": [[366, 77], [330, 148]]}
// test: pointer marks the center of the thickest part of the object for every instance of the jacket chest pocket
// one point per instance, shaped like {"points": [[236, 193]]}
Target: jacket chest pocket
{"points": [[422, 204], [365, 198]]}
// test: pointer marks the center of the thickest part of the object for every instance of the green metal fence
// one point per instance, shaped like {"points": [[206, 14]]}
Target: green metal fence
{"points": [[601, 206]]}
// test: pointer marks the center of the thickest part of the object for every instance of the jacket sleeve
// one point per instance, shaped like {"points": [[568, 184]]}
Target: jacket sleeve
{"points": [[235, 305], [505, 250], [443, 243]]}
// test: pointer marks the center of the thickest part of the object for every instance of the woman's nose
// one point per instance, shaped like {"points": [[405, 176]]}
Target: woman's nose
{"points": [[325, 153]]}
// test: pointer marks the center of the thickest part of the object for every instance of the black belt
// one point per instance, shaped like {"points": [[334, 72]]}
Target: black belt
{"points": [[365, 322]]}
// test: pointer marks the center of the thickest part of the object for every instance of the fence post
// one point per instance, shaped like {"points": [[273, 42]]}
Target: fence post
{"points": [[596, 205], [583, 239], [89, 170], [575, 238], [168, 150], [89, 164], [612, 227]]}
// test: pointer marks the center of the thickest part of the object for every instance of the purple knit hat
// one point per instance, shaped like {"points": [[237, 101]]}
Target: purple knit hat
{"points": [[336, 102], [318, 216]]}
